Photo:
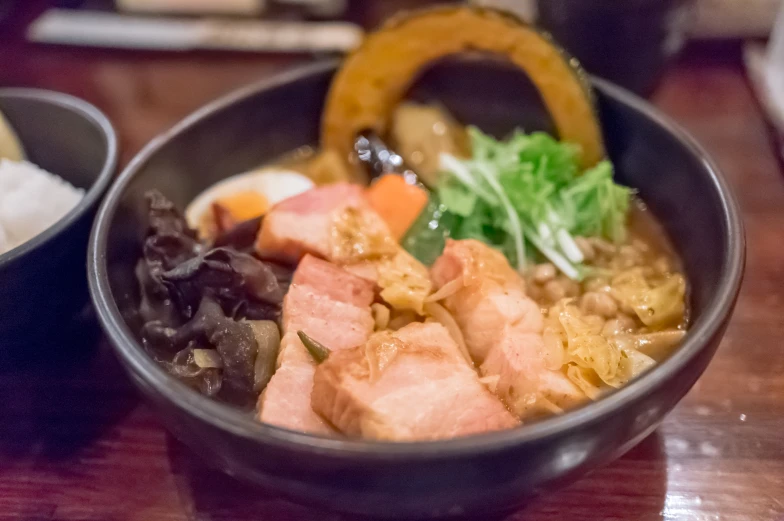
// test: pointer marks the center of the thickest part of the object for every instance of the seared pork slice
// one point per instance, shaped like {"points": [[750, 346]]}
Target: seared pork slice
{"points": [[338, 324], [336, 223], [302, 224], [329, 304], [333, 281], [286, 400], [502, 328], [409, 385]]}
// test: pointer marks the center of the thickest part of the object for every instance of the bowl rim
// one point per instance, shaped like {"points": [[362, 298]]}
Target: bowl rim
{"points": [[99, 186], [224, 418]]}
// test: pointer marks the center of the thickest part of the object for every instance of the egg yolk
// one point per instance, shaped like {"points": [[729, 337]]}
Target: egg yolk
{"points": [[245, 205]]}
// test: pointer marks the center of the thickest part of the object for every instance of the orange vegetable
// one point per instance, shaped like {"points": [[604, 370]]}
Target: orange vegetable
{"points": [[397, 202], [245, 205]]}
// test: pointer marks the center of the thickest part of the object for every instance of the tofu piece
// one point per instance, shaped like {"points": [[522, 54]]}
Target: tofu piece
{"points": [[502, 328], [408, 385], [330, 305]]}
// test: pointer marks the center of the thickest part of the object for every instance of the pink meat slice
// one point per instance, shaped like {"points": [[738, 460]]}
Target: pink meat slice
{"points": [[408, 385], [502, 328], [301, 224], [331, 306], [333, 281]]}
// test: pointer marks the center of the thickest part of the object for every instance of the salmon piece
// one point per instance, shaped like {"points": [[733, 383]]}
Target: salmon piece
{"points": [[301, 224], [409, 385], [330, 305], [502, 328]]}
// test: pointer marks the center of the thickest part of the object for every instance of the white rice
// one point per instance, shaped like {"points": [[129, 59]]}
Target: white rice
{"points": [[31, 200]]}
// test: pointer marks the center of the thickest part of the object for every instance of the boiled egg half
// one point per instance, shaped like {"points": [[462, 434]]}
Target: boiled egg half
{"points": [[244, 196]]}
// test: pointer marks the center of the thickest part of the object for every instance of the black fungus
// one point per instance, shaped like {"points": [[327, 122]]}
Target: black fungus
{"points": [[234, 341], [244, 286], [197, 296], [241, 237]]}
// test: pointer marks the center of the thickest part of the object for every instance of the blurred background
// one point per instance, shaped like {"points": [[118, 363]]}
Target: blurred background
{"points": [[132, 55]]}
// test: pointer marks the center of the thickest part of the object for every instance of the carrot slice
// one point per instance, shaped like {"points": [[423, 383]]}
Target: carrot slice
{"points": [[397, 202]]}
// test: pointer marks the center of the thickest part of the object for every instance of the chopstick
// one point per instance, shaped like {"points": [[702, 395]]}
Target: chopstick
{"points": [[99, 29]]}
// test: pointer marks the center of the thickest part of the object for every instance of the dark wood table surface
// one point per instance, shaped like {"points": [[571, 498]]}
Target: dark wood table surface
{"points": [[77, 444]]}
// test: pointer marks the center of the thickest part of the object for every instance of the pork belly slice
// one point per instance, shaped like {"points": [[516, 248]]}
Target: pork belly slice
{"points": [[502, 328], [409, 385], [301, 224], [334, 281], [286, 400], [329, 304]]}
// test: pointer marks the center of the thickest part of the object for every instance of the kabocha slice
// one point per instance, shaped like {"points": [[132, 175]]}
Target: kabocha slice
{"points": [[376, 77]]}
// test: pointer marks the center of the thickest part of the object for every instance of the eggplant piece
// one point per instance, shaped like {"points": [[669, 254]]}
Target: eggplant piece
{"points": [[421, 133], [267, 337]]}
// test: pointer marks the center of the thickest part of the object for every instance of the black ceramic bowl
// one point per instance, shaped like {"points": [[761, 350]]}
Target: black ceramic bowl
{"points": [[472, 475], [43, 283]]}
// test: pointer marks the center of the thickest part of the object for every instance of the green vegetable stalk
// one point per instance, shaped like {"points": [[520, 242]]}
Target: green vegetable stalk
{"points": [[316, 349]]}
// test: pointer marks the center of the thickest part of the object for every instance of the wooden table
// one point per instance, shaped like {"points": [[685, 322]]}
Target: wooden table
{"points": [[76, 444]]}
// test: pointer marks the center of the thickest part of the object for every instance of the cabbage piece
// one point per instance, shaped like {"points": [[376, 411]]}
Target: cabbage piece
{"points": [[657, 345], [595, 352], [405, 282], [585, 379], [440, 314], [584, 345], [357, 235], [658, 306], [632, 364]]}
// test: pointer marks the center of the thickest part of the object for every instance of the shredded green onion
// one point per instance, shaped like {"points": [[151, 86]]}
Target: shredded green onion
{"points": [[530, 188]]}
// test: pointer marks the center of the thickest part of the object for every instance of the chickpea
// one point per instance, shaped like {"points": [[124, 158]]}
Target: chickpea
{"points": [[602, 245], [662, 265], [620, 324], [641, 246], [596, 284], [596, 303], [554, 290], [625, 308], [629, 256], [543, 273], [586, 248], [534, 291], [571, 287]]}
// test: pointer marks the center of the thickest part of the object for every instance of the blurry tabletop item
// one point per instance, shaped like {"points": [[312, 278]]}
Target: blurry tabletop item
{"points": [[76, 443], [766, 71], [631, 42]]}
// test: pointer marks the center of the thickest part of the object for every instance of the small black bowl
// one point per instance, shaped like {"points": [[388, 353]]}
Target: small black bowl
{"points": [[43, 282], [470, 476]]}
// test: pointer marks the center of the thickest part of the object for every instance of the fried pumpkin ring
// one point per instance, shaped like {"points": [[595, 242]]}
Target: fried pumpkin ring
{"points": [[375, 78]]}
